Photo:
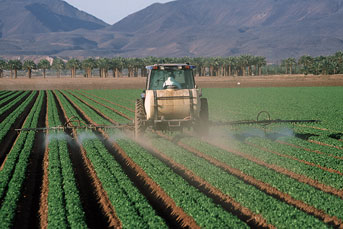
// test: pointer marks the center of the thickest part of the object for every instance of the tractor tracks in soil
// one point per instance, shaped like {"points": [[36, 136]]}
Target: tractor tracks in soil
{"points": [[163, 204]]}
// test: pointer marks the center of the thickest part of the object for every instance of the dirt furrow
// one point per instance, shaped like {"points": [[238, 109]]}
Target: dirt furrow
{"points": [[324, 144], [268, 189], [309, 150], [112, 109], [227, 202], [10, 110], [298, 177], [111, 101], [12, 136], [108, 209], [159, 199], [278, 169], [313, 127], [43, 203], [31, 189], [296, 159]]}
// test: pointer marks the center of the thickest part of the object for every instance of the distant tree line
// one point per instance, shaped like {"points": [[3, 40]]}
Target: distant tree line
{"points": [[244, 65]]}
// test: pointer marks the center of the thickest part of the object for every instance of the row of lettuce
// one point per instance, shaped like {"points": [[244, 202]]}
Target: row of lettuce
{"points": [[13, 171], [191, 200], [299, 156], [275, 145]]}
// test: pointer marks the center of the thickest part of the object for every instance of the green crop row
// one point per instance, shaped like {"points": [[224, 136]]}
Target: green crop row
{"points": [[5, 94], [200, 207], [9, 97], [6, 124], [104, 110], [125, 97], [300, 191], [308, 145], [3, 109], [90, 112], [323, 136], [124, 106], [203, 211], [64, 205], [130, 205], [273, 210], [317, 159], [13, 173], [325, 177]]}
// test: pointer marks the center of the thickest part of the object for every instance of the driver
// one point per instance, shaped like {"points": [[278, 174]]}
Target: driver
{"points": [[171, 83]]}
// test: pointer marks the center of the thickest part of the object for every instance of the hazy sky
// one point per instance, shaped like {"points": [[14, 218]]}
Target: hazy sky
{"points": [[112, 11]]}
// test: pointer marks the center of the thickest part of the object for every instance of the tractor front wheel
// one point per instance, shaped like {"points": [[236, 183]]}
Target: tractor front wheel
{"points": [[140, 118]]}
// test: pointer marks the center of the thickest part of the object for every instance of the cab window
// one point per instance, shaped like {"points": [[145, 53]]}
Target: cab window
{"points": [[184, 77]]}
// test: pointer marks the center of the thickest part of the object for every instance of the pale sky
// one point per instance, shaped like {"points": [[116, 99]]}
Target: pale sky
{"points": [[112, 11]]}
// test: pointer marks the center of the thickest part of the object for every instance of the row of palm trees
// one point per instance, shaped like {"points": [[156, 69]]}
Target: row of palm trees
{"points": [[213, 66], [244, 65], [320, 65]]}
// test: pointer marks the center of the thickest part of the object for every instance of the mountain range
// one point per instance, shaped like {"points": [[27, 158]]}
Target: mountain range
{"points": [[275, 29]]}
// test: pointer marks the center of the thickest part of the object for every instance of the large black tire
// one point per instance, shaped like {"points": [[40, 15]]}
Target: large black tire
{"points": [[202, 126], [140, 118]]}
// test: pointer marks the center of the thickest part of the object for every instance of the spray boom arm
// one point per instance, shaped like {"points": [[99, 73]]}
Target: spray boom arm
{"points": [[258, 121]]}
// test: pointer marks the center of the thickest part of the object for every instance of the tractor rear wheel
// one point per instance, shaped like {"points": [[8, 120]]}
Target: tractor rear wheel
{"points": [[203, 124], [140, 117]]}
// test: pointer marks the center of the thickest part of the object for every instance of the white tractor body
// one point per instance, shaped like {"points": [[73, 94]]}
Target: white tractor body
{"points": [[171, 100]]}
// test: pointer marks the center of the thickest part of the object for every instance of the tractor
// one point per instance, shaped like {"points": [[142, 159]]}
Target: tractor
{"points": [[171, 101]]}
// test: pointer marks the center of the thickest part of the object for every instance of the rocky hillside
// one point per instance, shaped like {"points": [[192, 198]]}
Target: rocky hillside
{"points": [[273, 28]]}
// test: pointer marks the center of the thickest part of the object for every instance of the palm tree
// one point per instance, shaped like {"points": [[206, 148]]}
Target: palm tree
{"points": [[260, 61], [229, 61], [14, 66], [44, 65], [29, 65], [88, 65], [339, 62], [114, 65], [73, 64], [284, 63], [103, 65], [251, 61], [3, 65], [58, 65], [243, 62], [291, 63], [306, 63]]}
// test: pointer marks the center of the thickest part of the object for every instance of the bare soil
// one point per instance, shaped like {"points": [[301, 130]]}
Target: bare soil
{"points": [[65, 83]]}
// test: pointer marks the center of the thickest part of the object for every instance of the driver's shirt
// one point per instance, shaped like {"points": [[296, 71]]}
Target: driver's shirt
{"points": [[171, 82]]}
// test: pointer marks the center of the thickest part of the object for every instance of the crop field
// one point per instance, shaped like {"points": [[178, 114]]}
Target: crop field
{"points": [[274, 176]]}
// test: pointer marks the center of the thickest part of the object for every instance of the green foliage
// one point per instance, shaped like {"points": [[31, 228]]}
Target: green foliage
{"points": [[6, 124], [130, 205], [16, 164]]}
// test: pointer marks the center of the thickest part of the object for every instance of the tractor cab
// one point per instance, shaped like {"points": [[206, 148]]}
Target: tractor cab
{"points": [[170, 76], [171, 100]]}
